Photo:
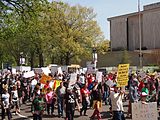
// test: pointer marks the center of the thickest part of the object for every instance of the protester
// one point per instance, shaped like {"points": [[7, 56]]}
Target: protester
{"points": [[15, 100], [60, 92], [70, 101], [117, 103], [6, 100], [105, 91], [85, 99], [49, 101], [37, 107], [133, 95], [97, 101], [144, 97]]}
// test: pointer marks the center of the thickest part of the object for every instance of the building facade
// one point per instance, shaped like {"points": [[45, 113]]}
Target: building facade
{"points": [[124, 29]]}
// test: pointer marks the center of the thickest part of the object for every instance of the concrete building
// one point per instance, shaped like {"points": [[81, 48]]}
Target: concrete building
{"points": [[124, 29]]}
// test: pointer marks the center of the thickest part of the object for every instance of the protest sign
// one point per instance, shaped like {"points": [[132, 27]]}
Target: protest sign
{"points": [[28, 74], [109, 83], [23, 68], [14, 71], [142, 74], [45, 78], [46, 70], [146, 111], [123, 70], [37, 70], [73, 79], [90, 67], [99, 76], [59, 69]]}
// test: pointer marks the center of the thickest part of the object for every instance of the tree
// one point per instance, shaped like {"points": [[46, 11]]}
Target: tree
{"points": [[75, 30], [125, 57], [53, 32]]}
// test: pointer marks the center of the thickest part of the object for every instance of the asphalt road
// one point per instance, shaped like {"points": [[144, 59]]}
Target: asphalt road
{"points": [[26, 113]]}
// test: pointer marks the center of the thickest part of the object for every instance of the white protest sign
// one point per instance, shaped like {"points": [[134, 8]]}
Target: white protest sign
{"points": [[14, 71], [46, 70], [59, 69], [142, 74], [99, 76], [146, 111], [28, 74], [54, 69], [5, 71], [73, 78], [37, 70], [109, 83], [90, 67]]}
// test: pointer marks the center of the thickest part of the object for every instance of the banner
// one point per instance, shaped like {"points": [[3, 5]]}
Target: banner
{"points": [[122, 79], [45, 78], [56, 84], [28, 74], [146, 111]]}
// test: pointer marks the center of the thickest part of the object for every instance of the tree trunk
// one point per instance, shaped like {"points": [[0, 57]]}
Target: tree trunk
{"points": [[41, 61], [67, 59], [53, 60], [31, 60], [18, 61]]}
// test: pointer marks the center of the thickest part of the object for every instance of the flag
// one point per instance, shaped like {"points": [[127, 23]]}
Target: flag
{"points": [[45, 78]]}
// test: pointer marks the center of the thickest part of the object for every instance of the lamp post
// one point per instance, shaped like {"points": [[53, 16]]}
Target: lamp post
{"points": [[21, 60], [94, 52], [140, 35]]}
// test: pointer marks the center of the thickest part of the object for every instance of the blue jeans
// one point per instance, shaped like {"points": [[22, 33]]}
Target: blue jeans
{"points": [[84, 106], [118, 115], [50, 107], [37, 117], [105, 96], [60, 106]]}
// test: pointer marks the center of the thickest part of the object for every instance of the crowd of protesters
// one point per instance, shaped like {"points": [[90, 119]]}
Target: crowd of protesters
{"points": [[86, 93]]}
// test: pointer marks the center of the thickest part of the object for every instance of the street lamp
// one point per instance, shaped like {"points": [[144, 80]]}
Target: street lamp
{"points": [[94, 52], [140, 35], [21, 60]]}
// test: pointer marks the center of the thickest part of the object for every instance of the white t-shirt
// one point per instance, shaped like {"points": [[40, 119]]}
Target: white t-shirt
{"points": [[5, 98], [82, 79], [116, 101], [14, 94]]}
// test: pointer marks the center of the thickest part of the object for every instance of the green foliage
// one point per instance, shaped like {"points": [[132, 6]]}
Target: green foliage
{"points": [[52, 33], [125, 58]]}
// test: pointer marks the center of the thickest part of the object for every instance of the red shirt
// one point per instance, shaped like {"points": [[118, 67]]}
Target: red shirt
{"points": [[85, 93], [89, 80], [141, 85]]}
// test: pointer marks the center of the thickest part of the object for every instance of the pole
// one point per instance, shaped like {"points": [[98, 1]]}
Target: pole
{"points": [[140, 36]]}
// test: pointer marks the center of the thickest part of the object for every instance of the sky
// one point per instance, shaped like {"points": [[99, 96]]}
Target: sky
{"points": [[110, 8]]}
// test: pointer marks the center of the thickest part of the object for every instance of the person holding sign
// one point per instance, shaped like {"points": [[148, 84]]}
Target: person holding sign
{"points": [[133, 95], [117, 104], [97, 100]]}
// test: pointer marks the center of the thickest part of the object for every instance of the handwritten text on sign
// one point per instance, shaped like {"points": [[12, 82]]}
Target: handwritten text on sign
{"points": [[123, 74], [144, 111]]}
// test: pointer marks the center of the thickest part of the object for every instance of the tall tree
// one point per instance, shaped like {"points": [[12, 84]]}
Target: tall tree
{"points": [[75, 29]]}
